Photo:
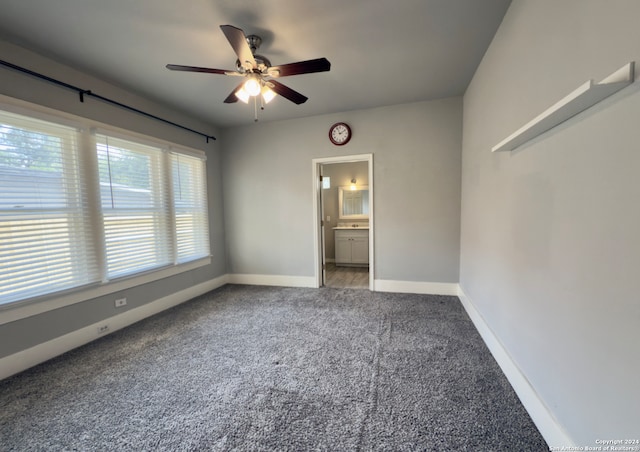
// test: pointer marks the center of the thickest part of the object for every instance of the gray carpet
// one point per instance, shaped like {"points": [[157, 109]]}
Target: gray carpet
{"points": [[264, 368]]}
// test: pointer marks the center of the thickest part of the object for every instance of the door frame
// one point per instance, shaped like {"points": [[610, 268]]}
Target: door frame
{"points": [[318, 253]]}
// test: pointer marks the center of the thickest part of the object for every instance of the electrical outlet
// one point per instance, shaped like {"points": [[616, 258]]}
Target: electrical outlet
{"points": [[103, 329], [121, 302]]}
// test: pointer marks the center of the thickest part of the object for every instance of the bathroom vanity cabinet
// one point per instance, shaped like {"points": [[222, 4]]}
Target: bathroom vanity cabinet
{"points": [[352, 247]]}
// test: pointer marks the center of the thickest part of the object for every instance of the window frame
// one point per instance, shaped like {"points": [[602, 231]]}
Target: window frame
{"points": [[118, 216], [51, 211], [19, 309], [196, 210]]}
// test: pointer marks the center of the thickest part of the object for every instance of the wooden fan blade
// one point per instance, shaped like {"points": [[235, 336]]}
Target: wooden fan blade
{"points": [[287, 92], [238, 41], [232, 98], [301, 67], [177, 67]]}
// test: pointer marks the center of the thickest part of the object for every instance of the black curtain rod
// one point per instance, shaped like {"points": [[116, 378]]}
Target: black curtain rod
{"points": [[86, 92]]}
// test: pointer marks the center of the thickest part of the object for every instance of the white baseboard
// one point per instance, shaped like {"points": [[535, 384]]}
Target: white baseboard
{"points": [[429, 288], [553, 433], [272, 280], [30, 357], [550, 429]]}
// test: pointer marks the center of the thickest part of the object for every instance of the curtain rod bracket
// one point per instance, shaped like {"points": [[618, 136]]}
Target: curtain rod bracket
{"points": [[82, 93]]}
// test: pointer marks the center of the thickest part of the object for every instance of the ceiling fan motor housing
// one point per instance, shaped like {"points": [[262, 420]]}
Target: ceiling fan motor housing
{"points": [[262, 62]]}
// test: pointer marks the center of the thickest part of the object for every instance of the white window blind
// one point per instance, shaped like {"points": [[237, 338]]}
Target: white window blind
{"points": [[190, 206], [44, 221], [81, 208], [135, 206]]}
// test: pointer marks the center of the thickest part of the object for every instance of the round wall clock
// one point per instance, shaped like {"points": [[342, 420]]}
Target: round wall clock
{"points": [[340, 133]]}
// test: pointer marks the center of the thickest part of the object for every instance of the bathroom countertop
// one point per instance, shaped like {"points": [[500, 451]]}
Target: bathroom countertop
{"points": [[351, 227]]}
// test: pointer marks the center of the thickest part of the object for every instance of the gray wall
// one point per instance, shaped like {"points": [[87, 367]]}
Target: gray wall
{"points": [[550, 248], [25, 333], [266, 170], [268, 190]]}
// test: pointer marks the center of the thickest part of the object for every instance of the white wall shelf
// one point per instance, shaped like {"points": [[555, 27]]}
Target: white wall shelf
{"points": [[585, 96]]}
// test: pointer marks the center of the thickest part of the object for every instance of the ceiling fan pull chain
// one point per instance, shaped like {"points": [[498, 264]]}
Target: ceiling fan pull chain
{"points": [[255, 109]]}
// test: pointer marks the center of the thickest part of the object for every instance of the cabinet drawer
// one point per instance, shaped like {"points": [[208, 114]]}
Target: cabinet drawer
{"points": [[349, 233]]}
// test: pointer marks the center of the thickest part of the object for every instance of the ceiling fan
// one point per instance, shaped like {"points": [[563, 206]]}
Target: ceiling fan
{"points": [[257, 70]]}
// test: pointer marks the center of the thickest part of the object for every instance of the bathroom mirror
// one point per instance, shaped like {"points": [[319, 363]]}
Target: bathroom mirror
{"points": [[353, 204]]}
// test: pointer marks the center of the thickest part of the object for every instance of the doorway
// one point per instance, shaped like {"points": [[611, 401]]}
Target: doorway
{"points": [[344, 253]]}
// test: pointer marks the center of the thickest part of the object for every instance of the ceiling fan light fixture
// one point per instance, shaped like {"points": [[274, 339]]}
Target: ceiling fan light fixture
{"points": [[243, 95], [252, 87], [267, 94]]}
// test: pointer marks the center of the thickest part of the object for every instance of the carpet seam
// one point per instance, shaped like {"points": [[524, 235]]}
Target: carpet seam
{"points": [[372, 402]]}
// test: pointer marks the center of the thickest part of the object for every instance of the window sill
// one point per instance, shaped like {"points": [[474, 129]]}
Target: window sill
{"points": [[21, 310]]}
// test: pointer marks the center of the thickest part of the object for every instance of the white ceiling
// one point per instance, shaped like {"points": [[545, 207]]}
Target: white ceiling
{"points": [[382, 52]]}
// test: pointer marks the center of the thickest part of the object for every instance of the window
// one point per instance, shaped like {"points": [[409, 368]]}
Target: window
{"points": [[80, 208], [42, 211], [135, 208], [190, 201]]}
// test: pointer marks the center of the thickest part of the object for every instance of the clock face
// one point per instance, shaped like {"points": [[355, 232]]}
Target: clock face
{"points": [[340, 133]]}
